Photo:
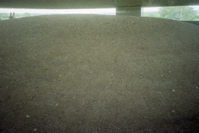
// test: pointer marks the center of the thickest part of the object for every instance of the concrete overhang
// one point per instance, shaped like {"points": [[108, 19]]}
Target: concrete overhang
{"points": [[69, 4]]}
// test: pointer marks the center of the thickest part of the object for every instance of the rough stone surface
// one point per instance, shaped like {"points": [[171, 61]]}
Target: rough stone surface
{"points": [[97, 74]]}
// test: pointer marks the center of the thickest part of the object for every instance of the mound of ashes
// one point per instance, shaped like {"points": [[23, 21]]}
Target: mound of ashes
{"points": [[87, 73]]}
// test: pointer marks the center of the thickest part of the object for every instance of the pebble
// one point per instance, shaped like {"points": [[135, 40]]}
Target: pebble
{"points": [[27, 116], [159, 92]]}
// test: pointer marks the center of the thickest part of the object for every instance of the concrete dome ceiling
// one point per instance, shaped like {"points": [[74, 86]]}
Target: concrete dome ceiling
{"points": [[91, 3]]}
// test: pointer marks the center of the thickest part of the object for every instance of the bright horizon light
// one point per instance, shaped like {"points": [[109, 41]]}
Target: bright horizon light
{"points": [[104, 11], [156, 9]]}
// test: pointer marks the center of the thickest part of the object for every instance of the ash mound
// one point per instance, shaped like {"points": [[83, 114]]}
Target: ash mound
{"points": [[87, 73]]}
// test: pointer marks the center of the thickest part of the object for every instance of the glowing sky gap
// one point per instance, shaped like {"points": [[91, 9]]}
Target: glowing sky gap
{"points": [[156, 9], [106, 11], [102, 11]]}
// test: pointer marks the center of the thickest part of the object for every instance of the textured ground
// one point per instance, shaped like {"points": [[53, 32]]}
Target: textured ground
{"points": [[97, 74]]}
